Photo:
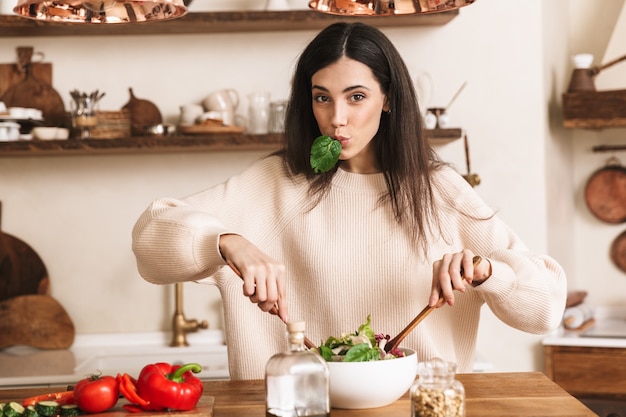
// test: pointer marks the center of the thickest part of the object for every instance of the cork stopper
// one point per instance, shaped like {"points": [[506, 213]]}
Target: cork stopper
{"points": [[295, 332], [296, 326]]}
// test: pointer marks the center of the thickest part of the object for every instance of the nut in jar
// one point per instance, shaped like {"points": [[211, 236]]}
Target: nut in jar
{"points": [[437, 393]]}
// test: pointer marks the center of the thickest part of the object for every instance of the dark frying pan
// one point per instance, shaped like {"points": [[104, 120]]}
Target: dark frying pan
{"points": [[618, 251], [605, 192]]}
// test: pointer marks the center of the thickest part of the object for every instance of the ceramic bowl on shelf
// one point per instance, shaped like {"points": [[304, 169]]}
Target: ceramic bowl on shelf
{"points": [[50, 133], [9, 131], [359, 385]]}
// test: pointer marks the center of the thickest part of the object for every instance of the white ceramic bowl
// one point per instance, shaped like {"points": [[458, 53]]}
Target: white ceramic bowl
{"points": [[50, 133], [358, 385]]}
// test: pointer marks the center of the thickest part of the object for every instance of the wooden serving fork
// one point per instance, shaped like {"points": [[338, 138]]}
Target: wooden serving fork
{"points": [[274, 309], [395, 342]]}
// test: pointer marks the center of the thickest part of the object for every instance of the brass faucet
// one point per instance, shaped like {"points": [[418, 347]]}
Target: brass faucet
{"points": [[180, 325]]}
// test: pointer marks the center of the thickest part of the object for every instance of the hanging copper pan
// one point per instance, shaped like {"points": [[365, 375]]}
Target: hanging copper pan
{"points": [[605, 192], [618, 251]]}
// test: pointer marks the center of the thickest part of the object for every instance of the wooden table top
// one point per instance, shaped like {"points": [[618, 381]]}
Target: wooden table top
{"points": [[526, 394]]}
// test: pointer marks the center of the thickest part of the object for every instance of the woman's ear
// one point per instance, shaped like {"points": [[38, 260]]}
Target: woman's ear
{"points": [[386, 108]]}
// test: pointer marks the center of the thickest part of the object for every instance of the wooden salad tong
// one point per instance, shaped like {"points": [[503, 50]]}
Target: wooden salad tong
{"points": [[395, 342], [274, 310]]}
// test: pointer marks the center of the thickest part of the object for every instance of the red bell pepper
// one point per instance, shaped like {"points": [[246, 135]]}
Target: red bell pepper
{"points": [[173, 387]]}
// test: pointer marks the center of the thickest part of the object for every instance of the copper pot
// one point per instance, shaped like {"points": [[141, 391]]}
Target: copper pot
{"points": [[605, 192], [618, 251]]}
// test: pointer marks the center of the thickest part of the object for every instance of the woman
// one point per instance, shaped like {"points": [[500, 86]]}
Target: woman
{"points": [[386, 230]]}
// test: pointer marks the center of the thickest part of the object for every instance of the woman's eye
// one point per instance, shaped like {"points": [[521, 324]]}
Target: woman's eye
{"points": [[357, 97], [320, 99]]}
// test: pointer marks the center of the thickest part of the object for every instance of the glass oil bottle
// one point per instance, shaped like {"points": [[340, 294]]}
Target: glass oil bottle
{"points": [[297, 381]]}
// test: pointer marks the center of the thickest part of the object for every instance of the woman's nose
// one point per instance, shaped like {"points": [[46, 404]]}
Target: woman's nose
{"points": [[339, 117]]}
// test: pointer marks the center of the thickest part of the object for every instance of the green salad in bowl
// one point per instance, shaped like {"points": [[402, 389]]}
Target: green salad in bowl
{"points": [[362, 345], [359, 373]]}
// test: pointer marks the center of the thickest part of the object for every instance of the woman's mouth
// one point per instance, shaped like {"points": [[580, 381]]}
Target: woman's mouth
{"points": [[342, 139]]}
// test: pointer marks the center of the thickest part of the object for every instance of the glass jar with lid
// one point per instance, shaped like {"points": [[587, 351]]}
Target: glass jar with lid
{"points": [[437, 393]]}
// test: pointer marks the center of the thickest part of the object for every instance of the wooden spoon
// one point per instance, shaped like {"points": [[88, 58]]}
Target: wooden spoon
{"points": [[395, 342], [274, 310]]}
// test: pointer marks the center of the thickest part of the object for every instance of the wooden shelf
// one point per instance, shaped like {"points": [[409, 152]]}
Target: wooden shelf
{"points": [[594, 109], [218, 22], [166, 144]]}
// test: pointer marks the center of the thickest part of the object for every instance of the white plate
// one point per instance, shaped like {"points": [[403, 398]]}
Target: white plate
{"points": [[16, 119]]}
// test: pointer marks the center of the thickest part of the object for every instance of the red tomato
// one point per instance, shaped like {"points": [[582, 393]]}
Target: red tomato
{"points": [[96, 393]]}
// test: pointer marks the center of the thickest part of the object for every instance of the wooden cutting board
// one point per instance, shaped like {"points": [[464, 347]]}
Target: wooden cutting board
{"points": [[35, 320], [204, 408], [27, 90], [21, 269], [199, 129], [11, 75]]}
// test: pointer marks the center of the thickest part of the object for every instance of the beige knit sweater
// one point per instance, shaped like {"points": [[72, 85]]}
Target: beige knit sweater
{"points": [[345, 259]]}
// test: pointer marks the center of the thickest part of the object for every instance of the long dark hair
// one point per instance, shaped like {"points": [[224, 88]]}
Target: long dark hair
{"points": [[403, 153]]}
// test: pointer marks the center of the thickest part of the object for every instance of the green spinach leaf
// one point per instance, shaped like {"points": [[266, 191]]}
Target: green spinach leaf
{"points": [[324, 153]]}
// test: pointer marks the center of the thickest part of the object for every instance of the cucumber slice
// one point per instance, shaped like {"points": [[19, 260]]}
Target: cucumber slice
{"points": [[47, 408], [13, 409], [70, 410], [31, 411]]}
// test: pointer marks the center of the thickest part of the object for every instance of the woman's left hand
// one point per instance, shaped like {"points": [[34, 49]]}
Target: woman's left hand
{"points": [[453, 272]]}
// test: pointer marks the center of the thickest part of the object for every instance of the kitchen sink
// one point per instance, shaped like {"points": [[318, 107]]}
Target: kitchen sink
{"points": [[110, 354], [131, 361]]}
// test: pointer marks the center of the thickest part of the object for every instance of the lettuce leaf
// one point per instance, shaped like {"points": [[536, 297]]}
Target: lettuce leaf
{"points": [[359, 346]]}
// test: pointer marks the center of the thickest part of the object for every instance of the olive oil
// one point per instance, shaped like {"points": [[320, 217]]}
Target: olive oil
{"points": [[297, 381]]}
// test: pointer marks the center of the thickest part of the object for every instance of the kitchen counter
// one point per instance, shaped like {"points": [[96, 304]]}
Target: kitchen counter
{"points": [[609, 331], [24, 366], [487, 395], [589, 364]]}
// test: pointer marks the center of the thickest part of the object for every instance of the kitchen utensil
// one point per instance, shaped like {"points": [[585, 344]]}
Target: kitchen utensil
{"points": [[11, 74], [164, 129], [189, 113], [85, 111], [33, 93], [50, 133], [472, 179], [21, 270], [395, 342], [277, 117], [258, 113], [9, 131], [583, 73], [274, 309], [225, 101], [36, 320], [605, 192], [203, 129], [456, 95], [143, 114], [618, 251]]}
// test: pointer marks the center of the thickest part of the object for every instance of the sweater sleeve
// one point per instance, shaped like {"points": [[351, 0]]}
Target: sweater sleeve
{"points": [[526, 290], [178, 239], [174, 241]]}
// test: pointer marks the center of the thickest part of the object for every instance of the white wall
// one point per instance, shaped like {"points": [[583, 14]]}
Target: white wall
{"points": [[77, 212]]}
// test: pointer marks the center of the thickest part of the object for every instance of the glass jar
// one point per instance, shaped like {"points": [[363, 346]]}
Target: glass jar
{"points": [[258, 113], [297, 381], [277, 116], [437, 393]]}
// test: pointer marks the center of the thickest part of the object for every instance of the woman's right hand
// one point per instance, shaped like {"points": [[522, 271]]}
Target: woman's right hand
{"points": [[263, 277]]}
